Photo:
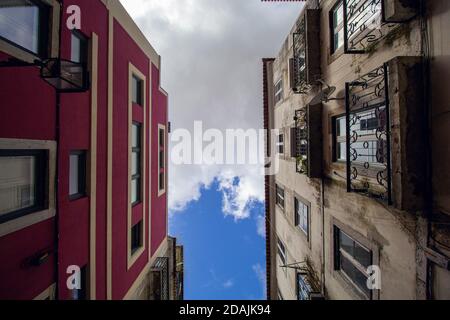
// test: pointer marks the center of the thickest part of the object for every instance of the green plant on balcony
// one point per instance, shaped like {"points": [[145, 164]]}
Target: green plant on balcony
{"points": [[302, 164]]}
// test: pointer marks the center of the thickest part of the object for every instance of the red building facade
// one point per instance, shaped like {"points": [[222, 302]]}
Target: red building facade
{"points": [[83, 174]]}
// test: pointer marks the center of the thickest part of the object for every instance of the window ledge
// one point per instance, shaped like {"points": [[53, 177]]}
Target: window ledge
{"points": [[25, 221]]}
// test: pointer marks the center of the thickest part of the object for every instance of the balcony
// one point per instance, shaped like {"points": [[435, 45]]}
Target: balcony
{"points": [[64, 75], [306, 141], [304, 67], [385, 134], [367, 22]]}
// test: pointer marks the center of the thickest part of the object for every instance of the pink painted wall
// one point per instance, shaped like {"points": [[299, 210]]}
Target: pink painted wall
{"points": [[125, 51], [159, 204], [75, 118], [28, 111]]}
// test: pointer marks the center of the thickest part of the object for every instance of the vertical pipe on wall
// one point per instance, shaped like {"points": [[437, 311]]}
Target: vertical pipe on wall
{"points": [[57, 137]]}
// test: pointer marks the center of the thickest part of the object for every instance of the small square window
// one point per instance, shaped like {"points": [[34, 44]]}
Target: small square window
{"points": [[136, 237], [79, 48], [137, 87], [77, 176]]}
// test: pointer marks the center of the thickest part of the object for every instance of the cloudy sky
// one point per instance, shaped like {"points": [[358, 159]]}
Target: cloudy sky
{"points": [[211, 67]]}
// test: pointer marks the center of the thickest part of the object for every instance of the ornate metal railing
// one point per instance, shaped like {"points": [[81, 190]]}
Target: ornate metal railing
{"points": [[368, 135], [299, 80], [301, 141], [365, 25]]}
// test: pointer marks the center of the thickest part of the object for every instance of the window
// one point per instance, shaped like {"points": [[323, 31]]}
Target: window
{"points": [[303, 287], [161, 158], [82, 292], [136, 166], [77, 175], [340, 140], [23, 175], [279, 91], [137, 87], [352, 259], [25, 23], [79, 52], [301, 215], [337, 27], [280, 196], [282, 251], [368, 148], [280, 144], [136, 237]]}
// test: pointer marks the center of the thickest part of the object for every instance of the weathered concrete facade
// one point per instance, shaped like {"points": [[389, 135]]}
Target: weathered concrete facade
{"points": [[396, 214]]}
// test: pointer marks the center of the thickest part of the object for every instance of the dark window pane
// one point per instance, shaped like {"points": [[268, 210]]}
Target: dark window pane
{"points": [[25, 24], [362, 256], [355, 275], [137, 90], [346, 243], [77, 174], [161, 138], [136, 237], [161, 181]]}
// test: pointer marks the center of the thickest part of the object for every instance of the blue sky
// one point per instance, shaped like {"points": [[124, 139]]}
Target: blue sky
{"points": [[211, 53], [224, 258]]}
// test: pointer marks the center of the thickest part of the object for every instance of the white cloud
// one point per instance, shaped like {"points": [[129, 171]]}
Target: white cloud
{"points": [[261, 275], [211, 67], [261, 225]]}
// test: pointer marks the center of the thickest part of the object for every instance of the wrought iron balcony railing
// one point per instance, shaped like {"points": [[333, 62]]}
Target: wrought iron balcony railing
{"points": [[299, 61], [300, 141], [306, 141], [368, 135], [305, 64], [366, 22]]}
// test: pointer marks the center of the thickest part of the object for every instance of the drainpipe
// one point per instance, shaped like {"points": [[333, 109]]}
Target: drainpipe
{"points": [[322, 191], [57, 136]]}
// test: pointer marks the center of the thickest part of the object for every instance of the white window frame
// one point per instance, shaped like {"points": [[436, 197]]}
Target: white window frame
{"points": [[283, 197], [299, 201], [36, 217]]}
